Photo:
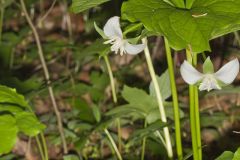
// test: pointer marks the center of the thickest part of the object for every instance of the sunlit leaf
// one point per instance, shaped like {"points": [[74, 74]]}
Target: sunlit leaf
{"points": [[29, 124], [8, 133]]}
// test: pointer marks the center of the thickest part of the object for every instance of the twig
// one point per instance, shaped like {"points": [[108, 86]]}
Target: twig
{"points": [[48, 12], [47, 76]]}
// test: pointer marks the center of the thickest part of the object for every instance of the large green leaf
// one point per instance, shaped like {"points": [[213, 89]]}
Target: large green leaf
{"points": [[207, 19], [227, 155], [8, 133], [82, 5], [29, 124], [8, 95], [139, 98]]}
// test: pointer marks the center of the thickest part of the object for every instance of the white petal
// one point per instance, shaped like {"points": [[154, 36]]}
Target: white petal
{"points": [[228, 72], [112, 28], [189, 73], [133, 48]]}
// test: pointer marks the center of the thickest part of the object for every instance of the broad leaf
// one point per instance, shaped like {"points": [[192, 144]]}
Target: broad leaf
{"points": [[164, 86], [29, 124], [227, 155], [8, 133], [82, 5], [139, 98], [8, 95], [207, 19]]}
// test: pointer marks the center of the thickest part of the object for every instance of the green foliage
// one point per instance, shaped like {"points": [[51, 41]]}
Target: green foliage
{"points": [[206, 20], [15, 117], [82, 5], [8, 133], [228, 155], [164, 86], [208, 66]]}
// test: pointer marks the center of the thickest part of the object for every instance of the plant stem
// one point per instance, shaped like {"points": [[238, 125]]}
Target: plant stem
{"points": [[114, 95], [47, 76], [193, 113], [144, 142], [40, 148], [159, 99], [44, 146], [113, 144], [197, 114], [175, 101]]}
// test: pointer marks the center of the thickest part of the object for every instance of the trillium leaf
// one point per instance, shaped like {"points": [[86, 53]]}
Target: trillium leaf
{"points": [[206, 20], [82, 5], [208, 66], [10, 96], [8, 133], [29, 124]]}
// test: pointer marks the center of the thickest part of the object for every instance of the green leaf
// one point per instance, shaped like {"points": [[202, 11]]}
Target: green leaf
{"points": [[177, 3], [82, 5], [96, 113], [148, 131], [29, 124], [236, 155], [208, 66], [206, 20], [189, 3], [8, 133], [9, 95], [164, 85], [100, 31], [139, 98], [227, 155]]}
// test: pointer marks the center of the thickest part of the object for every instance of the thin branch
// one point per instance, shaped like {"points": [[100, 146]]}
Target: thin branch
{"points": [[47, 76]]}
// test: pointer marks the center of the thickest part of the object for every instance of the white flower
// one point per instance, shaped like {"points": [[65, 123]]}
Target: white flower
{"points": [[210, 81], [114, 33]]}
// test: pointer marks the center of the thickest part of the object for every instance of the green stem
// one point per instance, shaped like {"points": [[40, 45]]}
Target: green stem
{"points": [[40, 147], [159, 100], [44, 145], [175, 101], [113, 144], [193, 113], [114, 95], [1, 20], [111, 78], [144, 143], [197, 114]]}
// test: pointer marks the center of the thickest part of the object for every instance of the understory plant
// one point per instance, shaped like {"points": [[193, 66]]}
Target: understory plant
{"points": [[102, 103]]}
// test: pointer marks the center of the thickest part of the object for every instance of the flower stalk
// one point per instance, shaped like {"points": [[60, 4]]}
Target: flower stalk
{"points": [[113, 144], [114, 95], [194, 112], [175, 101], [159, 99]]}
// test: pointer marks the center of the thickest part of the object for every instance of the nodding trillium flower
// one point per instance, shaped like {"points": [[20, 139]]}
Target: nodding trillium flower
{"points": [[113, 32], [208, 79]]}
